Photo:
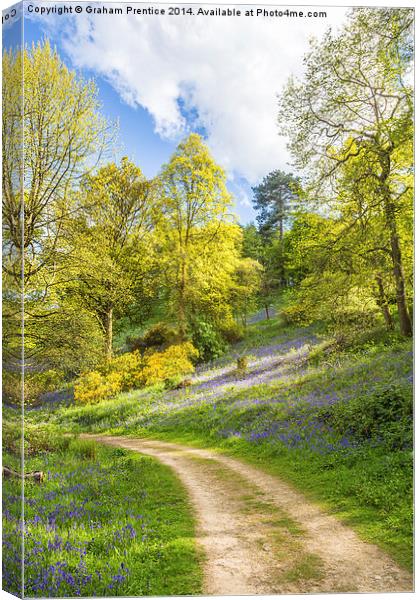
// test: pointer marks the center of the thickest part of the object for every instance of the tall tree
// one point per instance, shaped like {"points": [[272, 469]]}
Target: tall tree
{"points": [[58, 122], [195, 204], [265, 251], [111, 248], [56, 127], [273, 199], [356, 97]]}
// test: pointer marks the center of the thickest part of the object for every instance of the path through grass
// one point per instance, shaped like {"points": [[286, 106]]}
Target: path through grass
{"points": [[335, 423]]}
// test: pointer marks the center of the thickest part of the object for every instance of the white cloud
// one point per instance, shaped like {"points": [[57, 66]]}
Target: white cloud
{"points": [[229, 69]]}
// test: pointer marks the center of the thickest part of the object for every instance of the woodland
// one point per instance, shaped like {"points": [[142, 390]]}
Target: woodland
{"points": [[141, 306]]}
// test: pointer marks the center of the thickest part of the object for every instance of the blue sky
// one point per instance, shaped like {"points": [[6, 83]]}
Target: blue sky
{"points": [[164, 78], [137, 138]]}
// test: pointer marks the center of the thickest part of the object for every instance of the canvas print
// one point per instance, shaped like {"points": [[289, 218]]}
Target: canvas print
{"points": [[207, 299]]}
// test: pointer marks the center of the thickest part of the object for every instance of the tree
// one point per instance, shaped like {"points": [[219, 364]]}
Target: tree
{"points": [[273, 199], [195, 205], [266, 253], [363, 232], [111, 243], [61, 129], [248, 279], [356, 97], [56, 127]]}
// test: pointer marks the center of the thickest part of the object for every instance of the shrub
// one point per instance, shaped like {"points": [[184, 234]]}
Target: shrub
{"points": [[129, 367], [94, 387], [385, 414], [159, 336], [131, 370], [232, 333], [242, 364], [134, 343], [348, 325], [12, 390], [296, 314], [35, 385], [43, 439], [169, 365], [207, 340], [11, 435]]}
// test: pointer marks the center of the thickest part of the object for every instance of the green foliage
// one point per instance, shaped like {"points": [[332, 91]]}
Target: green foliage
{"points": [[295, 314], [84, 449], [242, 364], [359, 161], [159, 336], [231, 332], [68, 339], [35, 385], [384, 416], [11, 436], [58, 121], [43, 440], [274, 200], [111, 235], [247, 283], [269, 252], [12, 387], [208, 341]]}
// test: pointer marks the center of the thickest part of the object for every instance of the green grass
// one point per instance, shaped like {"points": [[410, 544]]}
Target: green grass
{"points": [[308, 568], [367, 483], [105, 522]]}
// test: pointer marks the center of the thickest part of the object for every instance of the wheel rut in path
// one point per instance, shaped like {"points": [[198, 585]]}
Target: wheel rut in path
{"points": [[260, 536]]}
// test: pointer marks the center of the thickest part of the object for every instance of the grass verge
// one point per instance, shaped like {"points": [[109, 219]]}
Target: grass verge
{"points": [[105, 522]]}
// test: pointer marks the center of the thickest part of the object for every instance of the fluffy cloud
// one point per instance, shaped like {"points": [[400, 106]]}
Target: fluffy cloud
{"points": [[226, 71]]}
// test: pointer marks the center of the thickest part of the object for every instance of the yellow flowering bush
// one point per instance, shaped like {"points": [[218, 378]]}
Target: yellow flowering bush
{"points": [[166, 366], [129, 366], [131, 370], [93, 387]]}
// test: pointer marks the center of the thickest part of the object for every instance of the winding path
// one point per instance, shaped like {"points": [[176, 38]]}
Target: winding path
{"points": [[260, 536]]}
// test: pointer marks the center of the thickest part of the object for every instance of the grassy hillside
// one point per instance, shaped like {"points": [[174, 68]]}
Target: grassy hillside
{"points": [[335, 422]]}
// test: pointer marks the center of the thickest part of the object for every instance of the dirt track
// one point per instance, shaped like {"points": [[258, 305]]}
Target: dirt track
{"points": [[260, 536]]}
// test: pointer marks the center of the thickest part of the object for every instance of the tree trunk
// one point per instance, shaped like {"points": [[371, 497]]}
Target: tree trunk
{"points": [[267, 312], [403, 314], [182, 316], [108, 333], [391, 224], [37, 476], [282, 269], [383, 303]]}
